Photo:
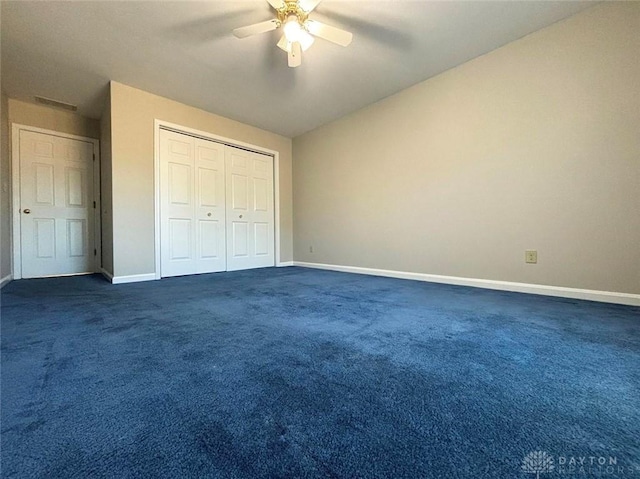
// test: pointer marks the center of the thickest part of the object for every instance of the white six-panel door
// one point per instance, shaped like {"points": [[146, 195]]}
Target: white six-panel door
{"points": [[192, 187], [56, 205], [250, 220]]}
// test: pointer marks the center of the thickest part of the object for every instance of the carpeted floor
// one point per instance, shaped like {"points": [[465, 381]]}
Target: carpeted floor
{"points": [[294, 372]]}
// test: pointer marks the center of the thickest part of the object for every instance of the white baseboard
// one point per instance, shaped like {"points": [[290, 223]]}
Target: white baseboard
{"points": [[6, 280], [106, 274], [134, 278], [282, 264], [558, 291]]}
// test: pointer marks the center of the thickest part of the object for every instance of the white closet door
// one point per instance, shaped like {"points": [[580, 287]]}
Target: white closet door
{"points": [[192, 205], [56, 199], [250, 210]]}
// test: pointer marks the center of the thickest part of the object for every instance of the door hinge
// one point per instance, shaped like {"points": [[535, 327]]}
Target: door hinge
{"points": [[95, 252], [94, 157], [94, 204]]}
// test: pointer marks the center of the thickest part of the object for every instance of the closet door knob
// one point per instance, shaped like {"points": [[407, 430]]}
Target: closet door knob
{"points": [[26, 211]]}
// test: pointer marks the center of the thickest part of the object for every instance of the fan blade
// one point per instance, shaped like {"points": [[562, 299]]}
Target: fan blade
{"points": [[295, 55], [332, 34], [283, 43], [309, 5], [256, 28], [277, 4]]}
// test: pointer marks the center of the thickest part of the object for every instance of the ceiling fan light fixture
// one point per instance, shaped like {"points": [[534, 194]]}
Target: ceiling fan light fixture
{"points": [[299, 32], [305, 39], [292, 29]]}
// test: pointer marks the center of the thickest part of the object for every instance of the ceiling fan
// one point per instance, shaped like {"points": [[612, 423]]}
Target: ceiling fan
{"points": [[298, 29]]}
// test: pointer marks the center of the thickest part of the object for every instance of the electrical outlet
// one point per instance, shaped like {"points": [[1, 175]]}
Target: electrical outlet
{"points": [[531, 256], [310, 249]]}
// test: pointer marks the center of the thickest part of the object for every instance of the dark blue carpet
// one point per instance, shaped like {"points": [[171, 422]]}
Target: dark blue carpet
{"points": [[302, 373]]}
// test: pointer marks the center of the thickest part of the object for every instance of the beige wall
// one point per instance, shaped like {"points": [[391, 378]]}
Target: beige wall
{"points": [[106, 188], [49, 118], [132, 142], [533, 146], [5, 191]]}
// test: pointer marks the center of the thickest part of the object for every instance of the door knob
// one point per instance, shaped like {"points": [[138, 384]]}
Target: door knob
{"points": [[26, 211], [240, 216], [208, 214]]}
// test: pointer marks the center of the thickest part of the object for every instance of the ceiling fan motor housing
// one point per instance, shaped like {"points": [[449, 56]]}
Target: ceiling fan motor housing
{"points": [[292, 7]]}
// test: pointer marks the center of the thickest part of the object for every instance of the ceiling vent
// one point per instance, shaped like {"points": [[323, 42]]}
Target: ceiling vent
{"points": [[56, 103]]}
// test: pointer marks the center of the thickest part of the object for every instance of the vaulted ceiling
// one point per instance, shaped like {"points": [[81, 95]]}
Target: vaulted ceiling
{"points": [[185, 51]]}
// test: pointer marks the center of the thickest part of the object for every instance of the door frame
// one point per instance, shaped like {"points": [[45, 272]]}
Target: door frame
{"points": [[161, 124], [16, 128]]}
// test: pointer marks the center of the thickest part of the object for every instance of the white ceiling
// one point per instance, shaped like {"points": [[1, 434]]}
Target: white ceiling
{"points": [[185, 51]]}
